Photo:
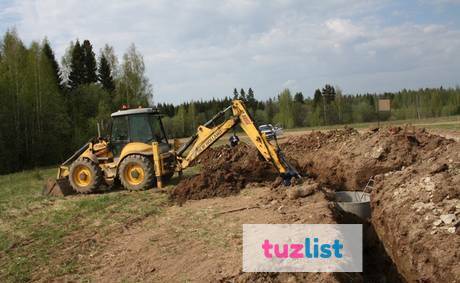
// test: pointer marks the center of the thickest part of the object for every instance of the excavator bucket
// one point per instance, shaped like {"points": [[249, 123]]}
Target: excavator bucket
{"points": [[57, 187]]}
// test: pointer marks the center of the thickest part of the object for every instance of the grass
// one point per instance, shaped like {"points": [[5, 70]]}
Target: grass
{"points": [[445, 123], [441, 126], [441, 123], [35, 230]]}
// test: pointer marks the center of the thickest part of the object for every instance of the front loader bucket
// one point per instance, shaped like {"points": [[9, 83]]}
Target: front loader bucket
{"points": [[59, 187]]}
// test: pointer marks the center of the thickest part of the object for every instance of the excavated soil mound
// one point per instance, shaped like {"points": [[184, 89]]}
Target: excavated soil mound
{"points": [[416, 211], [345, 159], [225, 171], [415, 200]]}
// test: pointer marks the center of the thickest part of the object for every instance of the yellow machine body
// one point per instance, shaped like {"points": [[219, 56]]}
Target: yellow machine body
{"points": [[139, 164]]}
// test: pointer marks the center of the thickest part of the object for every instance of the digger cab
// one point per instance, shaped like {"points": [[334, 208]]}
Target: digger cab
{"points": [[142, 125]]}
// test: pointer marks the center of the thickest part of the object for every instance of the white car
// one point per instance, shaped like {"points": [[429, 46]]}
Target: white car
{"points": [[271, 131]]}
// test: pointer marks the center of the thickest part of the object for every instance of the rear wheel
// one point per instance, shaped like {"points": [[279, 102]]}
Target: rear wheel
{"points": [[136, 172], [85, 176]]}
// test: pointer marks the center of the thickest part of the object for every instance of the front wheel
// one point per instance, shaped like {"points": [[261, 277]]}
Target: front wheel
{"points": [[85, 176], [136, 173]]}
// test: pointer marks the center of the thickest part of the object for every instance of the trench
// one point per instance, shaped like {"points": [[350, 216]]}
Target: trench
{"points": [[377, 264]]}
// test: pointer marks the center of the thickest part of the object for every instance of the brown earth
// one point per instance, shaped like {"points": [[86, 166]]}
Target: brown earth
{"points": [[346, 159], [401, 161], [225, 171], [408, 209], [201, 241], [417, 182]]}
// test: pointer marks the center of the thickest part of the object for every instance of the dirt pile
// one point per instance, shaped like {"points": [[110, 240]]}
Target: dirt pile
{"points": [[345, 159], [416, 211], [415, 201], [225, 171]]}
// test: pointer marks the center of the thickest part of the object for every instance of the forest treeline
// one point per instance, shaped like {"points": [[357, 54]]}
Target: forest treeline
{"points": [[50, 109], [326, 106]]}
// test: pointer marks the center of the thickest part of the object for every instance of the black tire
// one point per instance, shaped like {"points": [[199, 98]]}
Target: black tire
{"points": [[81, 168], [140, 165]]}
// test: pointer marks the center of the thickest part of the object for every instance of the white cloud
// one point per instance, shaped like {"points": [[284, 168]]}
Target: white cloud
{"points": [[344, 28], [201, 49]]}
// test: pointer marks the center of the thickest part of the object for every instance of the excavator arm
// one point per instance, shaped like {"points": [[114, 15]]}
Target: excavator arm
{"points": [[209, 133]]}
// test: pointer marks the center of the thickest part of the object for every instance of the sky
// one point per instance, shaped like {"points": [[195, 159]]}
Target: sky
{"points": [[203, 49]]}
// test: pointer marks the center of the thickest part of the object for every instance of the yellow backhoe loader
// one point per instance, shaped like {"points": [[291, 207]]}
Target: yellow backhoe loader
{"points": [[138, 154]]}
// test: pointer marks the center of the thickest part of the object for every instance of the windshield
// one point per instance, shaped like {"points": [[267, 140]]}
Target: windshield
{"points": [[144, 128], [120, 130], [139, 128]]}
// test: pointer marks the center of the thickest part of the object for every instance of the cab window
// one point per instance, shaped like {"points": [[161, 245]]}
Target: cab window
{"points": [[140, 128], [120, 129]]}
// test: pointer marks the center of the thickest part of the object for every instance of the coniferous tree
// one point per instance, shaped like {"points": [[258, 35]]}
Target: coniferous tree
{"points": [[243, 95], [250, 94], [48, 52], [328, 93], [317, 97], [298, 109], [77, 67], [105, 75], [89, 63], [251, 101], [298, 97], [235, 93]]}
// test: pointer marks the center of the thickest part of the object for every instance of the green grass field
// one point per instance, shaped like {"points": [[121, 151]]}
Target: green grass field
{"points": [[35, 229], [449, 123]]}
